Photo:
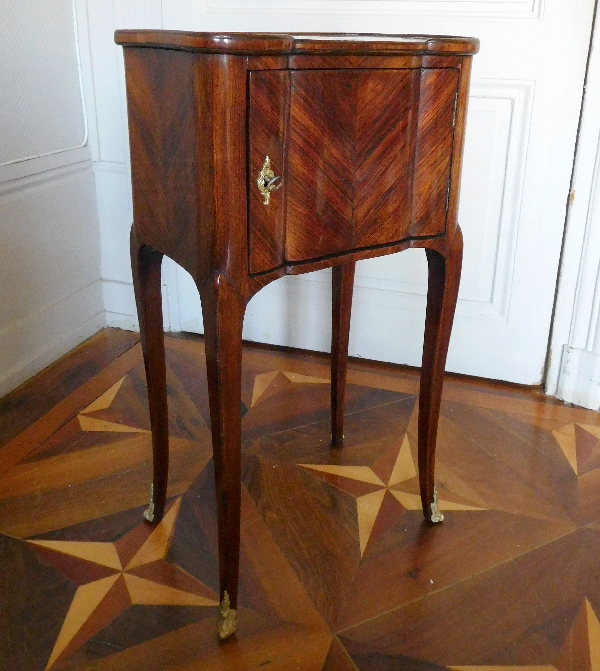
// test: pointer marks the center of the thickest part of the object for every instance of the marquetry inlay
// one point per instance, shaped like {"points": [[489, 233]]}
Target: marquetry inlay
{"points": [[111, 577], [339, 571]]}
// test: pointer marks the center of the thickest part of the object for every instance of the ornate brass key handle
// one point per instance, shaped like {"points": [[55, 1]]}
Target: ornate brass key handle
{"points": [[267, 182]]}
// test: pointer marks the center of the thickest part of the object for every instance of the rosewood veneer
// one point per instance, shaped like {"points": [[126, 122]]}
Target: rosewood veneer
{"points": [[261, 155]]}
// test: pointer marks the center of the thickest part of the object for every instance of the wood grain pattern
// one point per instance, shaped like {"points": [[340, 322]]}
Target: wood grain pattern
{"points": [[267, 124], [220, 90], [369, 158], [459, 140], [146, 272], [19, 447], [385, 146], [223, 312], [20, 409], [343, 286], [185, 126], [255, 63], [272, 43], [162, 130], [258, 281], [442, 294], [320, 170], [325, 62], [437, 107]]}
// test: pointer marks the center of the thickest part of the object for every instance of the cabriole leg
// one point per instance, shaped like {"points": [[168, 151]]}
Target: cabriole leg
{"points": [[146, 265], [223, 311], [444, 278], [343, 285]]}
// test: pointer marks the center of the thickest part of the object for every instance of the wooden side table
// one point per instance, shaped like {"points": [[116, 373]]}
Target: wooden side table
{"points": [[261, 155]]}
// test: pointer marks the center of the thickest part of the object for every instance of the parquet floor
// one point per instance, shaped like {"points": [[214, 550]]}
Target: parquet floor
{"points": [[338, 571]]}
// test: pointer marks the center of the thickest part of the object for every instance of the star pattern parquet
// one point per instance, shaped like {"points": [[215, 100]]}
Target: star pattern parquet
{"points": [[338, 571]]}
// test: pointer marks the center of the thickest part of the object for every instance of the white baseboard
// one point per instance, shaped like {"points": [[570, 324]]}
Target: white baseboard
{"points": [[119, 302], [124, 322], [33, 343], [579, 380]]}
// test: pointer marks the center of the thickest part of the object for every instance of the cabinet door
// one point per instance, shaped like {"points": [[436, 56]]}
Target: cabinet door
{"points": [[368, 162], [365, 156]]}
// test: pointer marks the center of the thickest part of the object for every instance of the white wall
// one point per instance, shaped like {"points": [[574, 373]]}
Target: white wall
{"points": [[104, 80], [49, 234]]}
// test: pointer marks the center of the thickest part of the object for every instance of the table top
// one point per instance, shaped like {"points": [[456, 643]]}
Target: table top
{"points": [[299, 43]]}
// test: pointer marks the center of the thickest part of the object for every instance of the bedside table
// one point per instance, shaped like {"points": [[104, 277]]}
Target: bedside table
{"points": [[255, 156]]}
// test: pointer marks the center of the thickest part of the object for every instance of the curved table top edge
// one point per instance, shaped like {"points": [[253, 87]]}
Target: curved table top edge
{"points": [[298, 43]]}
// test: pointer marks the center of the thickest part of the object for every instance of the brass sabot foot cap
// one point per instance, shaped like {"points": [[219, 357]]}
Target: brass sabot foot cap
{"points": [[153, 513], [149, 513], [436, 515], [226, 624]]}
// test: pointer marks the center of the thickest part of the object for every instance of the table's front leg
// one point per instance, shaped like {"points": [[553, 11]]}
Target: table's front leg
{"points": [[343, 286], [444, 279], [223, 312], [145, 267]]}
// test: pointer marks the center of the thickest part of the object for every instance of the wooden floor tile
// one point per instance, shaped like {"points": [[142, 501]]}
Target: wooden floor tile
{"points": [[32, 400], [339, 571]]}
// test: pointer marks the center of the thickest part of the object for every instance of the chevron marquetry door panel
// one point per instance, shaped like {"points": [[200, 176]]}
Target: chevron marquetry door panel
{"points": [[387, 105], [349, 183], [437, 104], [268, 109]]}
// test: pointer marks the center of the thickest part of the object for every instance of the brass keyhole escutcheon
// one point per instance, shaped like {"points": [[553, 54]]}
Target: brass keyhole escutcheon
{"points": [[267, 181]]}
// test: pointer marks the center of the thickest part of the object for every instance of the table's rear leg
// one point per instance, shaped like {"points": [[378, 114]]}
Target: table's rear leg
{"points": [[223, 311], [343, 285], [444, 278], [146, 266]]}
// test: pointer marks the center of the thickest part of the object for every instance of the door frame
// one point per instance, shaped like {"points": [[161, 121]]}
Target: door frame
{"points": [[573, 363]]}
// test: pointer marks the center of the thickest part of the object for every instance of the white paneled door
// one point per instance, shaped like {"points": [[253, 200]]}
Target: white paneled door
{"points": [[522, 124]]}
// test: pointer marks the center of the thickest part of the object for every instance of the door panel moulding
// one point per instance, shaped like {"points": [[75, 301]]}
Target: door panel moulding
{"points": [[29, 164], [19, 176]]}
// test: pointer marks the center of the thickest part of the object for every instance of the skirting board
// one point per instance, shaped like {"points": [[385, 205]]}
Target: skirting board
{"points": [[579, 381], [36, 341], [119, 302]]}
